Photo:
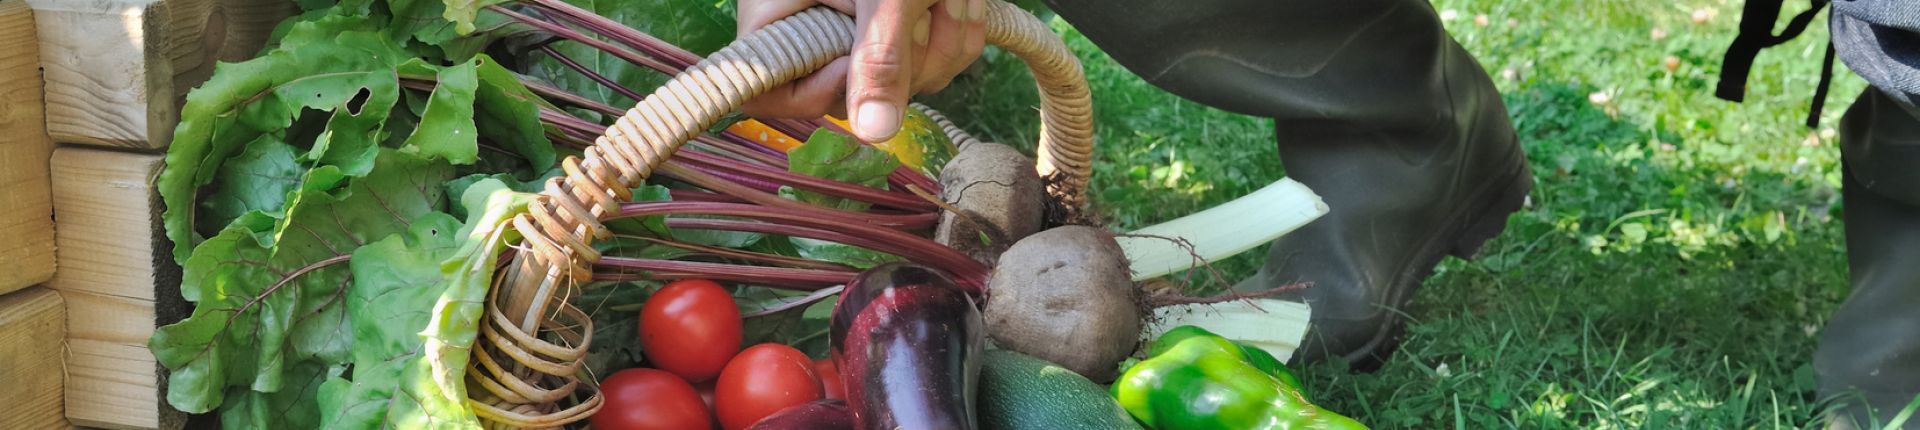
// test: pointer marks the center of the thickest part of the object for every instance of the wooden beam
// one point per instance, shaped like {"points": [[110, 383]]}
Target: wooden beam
{"points": [[114, 384], [120, 283], [27, 221], [117, 71], [32, 326]]}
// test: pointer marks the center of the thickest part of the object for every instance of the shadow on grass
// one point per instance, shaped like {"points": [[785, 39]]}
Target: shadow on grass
{"points": [[1700, 317]]}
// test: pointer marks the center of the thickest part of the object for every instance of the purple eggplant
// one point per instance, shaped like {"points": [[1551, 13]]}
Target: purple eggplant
{"points": [[818, 415], [908, 343]]}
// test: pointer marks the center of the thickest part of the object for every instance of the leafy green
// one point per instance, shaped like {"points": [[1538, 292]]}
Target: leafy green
{"points": [[354, 132], [469, 272], [424, 21], [421, 19], [840, 253], [457, 188], [260, 179], [724, 239], [291, 407], [509, 114], [805, 330], [396, 282], [698, 26], [836, 156], [265, 301], [446, 127], [335, 64], [314, 114], [489, 32], [345, 69], [463, 13]]}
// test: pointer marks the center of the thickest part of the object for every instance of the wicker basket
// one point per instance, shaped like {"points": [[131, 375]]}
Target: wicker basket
{"points": [[533, 341]]}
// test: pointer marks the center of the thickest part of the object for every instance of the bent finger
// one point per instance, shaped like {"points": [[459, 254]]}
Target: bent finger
{"points": [[953, 45], [811, 96]]}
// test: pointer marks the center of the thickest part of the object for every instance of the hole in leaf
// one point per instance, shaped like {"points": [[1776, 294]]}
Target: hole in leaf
{"points": [[358, 101]]}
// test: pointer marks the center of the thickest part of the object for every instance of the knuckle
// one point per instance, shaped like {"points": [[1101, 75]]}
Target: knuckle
{"points": [[881, 56]]}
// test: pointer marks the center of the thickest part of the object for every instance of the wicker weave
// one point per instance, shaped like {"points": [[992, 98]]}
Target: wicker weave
{"points": [[523, 372]]}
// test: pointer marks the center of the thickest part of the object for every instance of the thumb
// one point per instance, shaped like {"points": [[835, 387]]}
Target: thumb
{"points": [[878, 82]]}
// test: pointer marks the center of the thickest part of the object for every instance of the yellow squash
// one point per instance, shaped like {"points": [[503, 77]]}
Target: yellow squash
{"points": [[920, 145]]}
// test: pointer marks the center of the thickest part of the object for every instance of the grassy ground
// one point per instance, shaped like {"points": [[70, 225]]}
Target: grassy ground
{"points": [[1678, 260]]}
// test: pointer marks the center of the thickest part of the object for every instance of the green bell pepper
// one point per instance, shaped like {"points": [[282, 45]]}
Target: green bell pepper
{"points": [[1259, 358], [1199, 381]]}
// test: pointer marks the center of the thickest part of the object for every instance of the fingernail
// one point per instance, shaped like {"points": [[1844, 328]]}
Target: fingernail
{"points": [[877, 121], [977, 10], [922, 30], [957, 9]]}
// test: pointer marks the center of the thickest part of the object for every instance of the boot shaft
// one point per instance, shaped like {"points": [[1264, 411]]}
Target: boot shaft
{"points": [[1869, 353]]}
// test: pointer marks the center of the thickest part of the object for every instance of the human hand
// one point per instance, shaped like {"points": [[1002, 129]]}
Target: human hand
{"points": [[900, 47]]}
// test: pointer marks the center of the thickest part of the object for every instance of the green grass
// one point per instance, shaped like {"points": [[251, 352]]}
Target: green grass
{"points": [[1677, 262]]}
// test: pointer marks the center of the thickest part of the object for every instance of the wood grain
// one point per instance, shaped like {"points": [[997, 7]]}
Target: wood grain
{"points": [[27, 221], [32, 326], [114, 385], [117, 71], [120, 283]]}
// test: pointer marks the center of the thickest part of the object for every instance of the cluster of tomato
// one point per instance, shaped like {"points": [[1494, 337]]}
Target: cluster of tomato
{"points": [[690, 334]]}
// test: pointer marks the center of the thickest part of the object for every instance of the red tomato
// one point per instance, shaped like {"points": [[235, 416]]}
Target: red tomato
{"points": [[691, 328], [648, 399], [763, 379], [830, 378]]}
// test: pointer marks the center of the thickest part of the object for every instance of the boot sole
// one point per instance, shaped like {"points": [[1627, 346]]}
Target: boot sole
{"points": [[1476, 226]]}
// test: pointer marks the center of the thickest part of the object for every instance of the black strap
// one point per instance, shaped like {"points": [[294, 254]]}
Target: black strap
{"points": [[1756, 33], [1820, 92]]}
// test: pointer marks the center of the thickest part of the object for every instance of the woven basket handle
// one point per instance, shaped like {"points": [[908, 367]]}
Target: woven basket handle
{"points": [[561, 226]]}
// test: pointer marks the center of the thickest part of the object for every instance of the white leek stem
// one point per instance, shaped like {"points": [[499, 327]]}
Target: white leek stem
{"points": [[1273, 325], [1223, 231]]}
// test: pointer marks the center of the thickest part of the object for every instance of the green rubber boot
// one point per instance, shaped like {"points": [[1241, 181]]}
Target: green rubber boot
{"points": [[1869, 354], [1376, 109], [1400, 201]]}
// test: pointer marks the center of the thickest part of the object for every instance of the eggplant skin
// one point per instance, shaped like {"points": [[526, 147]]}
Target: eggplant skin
{"points": [[908, 342], [817, 415]]}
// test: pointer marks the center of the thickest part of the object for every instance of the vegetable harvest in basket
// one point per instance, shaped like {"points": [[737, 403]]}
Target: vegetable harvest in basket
{"points": [[358, 210]]}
